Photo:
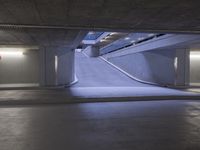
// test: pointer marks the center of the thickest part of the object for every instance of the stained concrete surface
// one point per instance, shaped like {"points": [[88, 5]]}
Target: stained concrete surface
{"points": [[155, 125]]}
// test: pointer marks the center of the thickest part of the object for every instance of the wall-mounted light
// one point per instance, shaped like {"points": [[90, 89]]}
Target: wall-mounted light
{"points": [[11, 52], [195, 55]]}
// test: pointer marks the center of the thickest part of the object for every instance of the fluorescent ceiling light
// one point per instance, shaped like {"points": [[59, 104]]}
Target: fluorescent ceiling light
{"points": [[102, 40], [127, 38], [91, 32], [133, 41], [151, 34], [113, 33]]}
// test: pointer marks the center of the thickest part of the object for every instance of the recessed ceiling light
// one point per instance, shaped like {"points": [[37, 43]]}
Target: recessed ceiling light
{"points": [[113, 33], [102, 40], [141, 38], [127, 38], [91, 32], [133, 41], [151, 34]]}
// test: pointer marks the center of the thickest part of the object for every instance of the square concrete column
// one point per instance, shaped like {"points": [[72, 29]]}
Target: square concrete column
{"points": [[56, 66], [182, 67], [92, 51]]}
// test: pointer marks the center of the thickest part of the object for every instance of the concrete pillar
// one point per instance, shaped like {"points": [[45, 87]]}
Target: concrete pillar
{"points": [[92, 51], [42, 58], [65, 73], [56, 66], [182, 69]]}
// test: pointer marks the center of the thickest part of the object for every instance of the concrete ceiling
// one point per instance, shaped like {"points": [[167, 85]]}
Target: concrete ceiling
{"points": [[59, 22], [140, 15], [41, 37]]}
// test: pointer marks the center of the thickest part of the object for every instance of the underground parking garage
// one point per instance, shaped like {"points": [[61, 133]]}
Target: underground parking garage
{"points": [[106, 74]]}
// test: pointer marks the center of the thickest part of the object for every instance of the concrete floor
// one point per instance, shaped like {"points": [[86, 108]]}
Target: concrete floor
{"points": [[155, 125]]}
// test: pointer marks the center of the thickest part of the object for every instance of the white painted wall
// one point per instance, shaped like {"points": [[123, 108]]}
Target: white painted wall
{"points": [[22, 69]]}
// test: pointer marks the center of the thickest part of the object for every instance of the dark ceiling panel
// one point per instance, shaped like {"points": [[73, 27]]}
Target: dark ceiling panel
{"points": [[176, 15]]}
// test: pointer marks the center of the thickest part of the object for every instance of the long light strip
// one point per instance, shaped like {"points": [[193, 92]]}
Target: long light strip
{"points": [[195, 55], [11, 53]]}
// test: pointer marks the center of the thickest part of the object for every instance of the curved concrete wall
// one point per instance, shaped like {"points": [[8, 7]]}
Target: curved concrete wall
{"points": [[156, 66]]}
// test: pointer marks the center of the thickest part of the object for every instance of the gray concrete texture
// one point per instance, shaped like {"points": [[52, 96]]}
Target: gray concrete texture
{"points": [[65, 66], [176, 15], [156, 125], [156, 66], [41, 37], [92, 51], [24, 69]]}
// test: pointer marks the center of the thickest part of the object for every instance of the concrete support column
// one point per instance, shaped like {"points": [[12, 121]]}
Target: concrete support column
{"points": [[182, 67], [56, 66], [42, 58], [92, 51], [65, 73]]}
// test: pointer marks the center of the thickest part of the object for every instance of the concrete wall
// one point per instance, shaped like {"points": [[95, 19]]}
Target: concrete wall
{"points": [[92, 51], [22, 69], [156, 66], [195, 68]]}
